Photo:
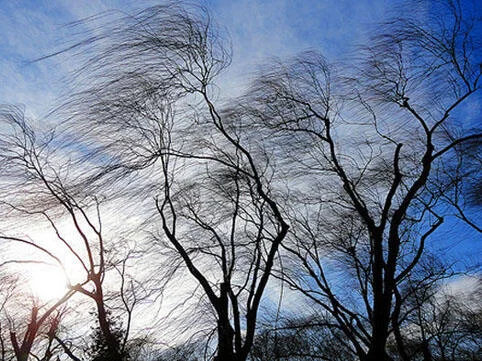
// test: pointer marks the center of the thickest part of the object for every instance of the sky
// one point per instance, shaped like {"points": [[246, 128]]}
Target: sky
{"points": [[259, 30]]}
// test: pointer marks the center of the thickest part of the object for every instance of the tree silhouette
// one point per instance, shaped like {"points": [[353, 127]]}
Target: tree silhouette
{"points": [[378, 149], [334, 178], [151, 89]]}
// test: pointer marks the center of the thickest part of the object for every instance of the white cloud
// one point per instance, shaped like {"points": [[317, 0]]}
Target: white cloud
{"points": [[258, 29], [462, 288]]}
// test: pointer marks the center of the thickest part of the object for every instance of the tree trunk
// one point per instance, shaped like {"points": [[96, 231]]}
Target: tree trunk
{"points": [[225, 330], [112, 342], [381, 320], [377, 354], [427, 355], [22, 351], [225, 343]]}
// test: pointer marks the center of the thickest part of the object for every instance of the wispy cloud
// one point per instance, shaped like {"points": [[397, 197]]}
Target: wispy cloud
{"points": [[258, 30]]}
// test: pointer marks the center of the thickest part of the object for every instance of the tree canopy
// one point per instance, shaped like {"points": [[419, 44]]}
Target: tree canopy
{"points": [[183, 221]]}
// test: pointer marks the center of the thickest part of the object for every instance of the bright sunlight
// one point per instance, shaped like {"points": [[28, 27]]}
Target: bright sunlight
{"points": [[47, 282]]}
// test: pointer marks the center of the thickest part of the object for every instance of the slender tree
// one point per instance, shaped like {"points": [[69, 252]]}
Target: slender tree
{"points": [[38, 192]]}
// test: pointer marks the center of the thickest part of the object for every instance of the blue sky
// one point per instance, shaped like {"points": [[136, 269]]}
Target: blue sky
{"points": [[258, 30]]}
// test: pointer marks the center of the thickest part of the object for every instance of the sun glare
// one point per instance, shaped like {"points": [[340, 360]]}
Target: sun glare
{"points": [[48, 283]]}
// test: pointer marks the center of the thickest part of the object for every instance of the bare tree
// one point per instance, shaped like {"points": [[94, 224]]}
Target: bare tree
{"points": [[42, 321], [302, 338], [439, 324], [37, 191], [370, 149], [364, 164], [149, 117]]}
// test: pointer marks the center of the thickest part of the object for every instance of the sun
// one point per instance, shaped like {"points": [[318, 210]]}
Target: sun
{"points": [[47, 282]]}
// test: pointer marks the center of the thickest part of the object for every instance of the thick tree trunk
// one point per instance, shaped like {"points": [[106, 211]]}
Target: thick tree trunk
{"points": [[381, 304], [380, 325], [377, 351], [225, 342], [105, 327], [225, 347], [377, 354], [111, 342], [225, 330]]}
